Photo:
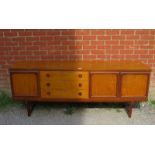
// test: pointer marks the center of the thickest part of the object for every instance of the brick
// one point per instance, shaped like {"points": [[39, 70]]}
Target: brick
{"points": [[72, 42], [20, 57], [68, 32], [127, 42], [142, 42], [40, 43], [32, 48], [152, 32], [40, 33], [9, 43], [117, 56], [112, 52], [5, 48], [82, 32], [147, 37], [75, 57], [54, 42], [40, 52], [146, 56], [2, 43], [142, 32], [132, 37], [75, 47], [97, 42], [100, 56], [89, 37], [75, 38], [103, 47], [98, 51], [25, 33], [1, 34], [36, 57], [89, 47], [61, 38], [58, 47], [112, 32], [46, 38], [117, 47], [97, 32], [103, 37], [53, 32], [151, 51], [19, 39], [140, 51], [10, 34], [126, 51], [121, 37], [89, 57], [132, 56], [152, 42], [60, 57], [47, 57], [127, 32], [25, 43], [18, 48], [146, 47], [113, 42], [86, 42]]}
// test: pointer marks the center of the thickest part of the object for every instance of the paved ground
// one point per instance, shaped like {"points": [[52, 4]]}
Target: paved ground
{"points": [[84, 115]]}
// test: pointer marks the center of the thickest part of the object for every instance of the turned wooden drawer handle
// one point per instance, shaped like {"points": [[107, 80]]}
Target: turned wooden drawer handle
{"points": [[80, 75], [48, 93], [47, 75], [48, 84], [80, 84], [80, 94]]}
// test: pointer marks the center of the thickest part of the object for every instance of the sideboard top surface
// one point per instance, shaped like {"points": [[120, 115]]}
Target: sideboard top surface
{"points": [[82, 65]]}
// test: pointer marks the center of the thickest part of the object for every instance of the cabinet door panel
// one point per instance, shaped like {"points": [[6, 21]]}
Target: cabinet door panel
{"points": [[24, 84], [103, 85], [134, 85]]}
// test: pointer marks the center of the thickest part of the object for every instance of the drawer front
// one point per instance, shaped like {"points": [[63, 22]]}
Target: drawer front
{"points": [[74, 85], [64, 94], [70, 84], [64, 75]]}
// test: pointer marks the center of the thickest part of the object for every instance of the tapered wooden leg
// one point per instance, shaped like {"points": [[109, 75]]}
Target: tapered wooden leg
{"points": [[30, 107], [129, 109]]}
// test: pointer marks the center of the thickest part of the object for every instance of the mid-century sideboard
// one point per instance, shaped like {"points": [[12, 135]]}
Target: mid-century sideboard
{"points": [[80, 81]]}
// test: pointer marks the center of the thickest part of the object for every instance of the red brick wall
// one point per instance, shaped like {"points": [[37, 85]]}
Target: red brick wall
{"points": [[16, 45]]}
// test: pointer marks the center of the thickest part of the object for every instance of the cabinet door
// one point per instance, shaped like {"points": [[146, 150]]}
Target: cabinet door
{"points": [[104, 84], [24, 84], [134, 84]]}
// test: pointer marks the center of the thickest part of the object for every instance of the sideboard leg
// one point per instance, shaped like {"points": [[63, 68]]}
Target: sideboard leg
{"points": [[30, 107], [129, 109]]}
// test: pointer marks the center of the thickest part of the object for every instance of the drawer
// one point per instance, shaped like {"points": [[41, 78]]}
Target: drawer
{"points": [[63, 75], [74, 85], [64, 84], [64, 94]]}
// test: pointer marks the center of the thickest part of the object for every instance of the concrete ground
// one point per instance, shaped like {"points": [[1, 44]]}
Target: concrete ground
{"points": [[47, 114]]}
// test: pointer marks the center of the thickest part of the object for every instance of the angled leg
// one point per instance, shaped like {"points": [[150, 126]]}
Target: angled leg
{"points": [[30, 107], [129, 109]]}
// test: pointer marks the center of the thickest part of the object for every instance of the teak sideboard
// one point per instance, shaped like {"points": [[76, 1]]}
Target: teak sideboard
{"points": [[80, 81]]}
